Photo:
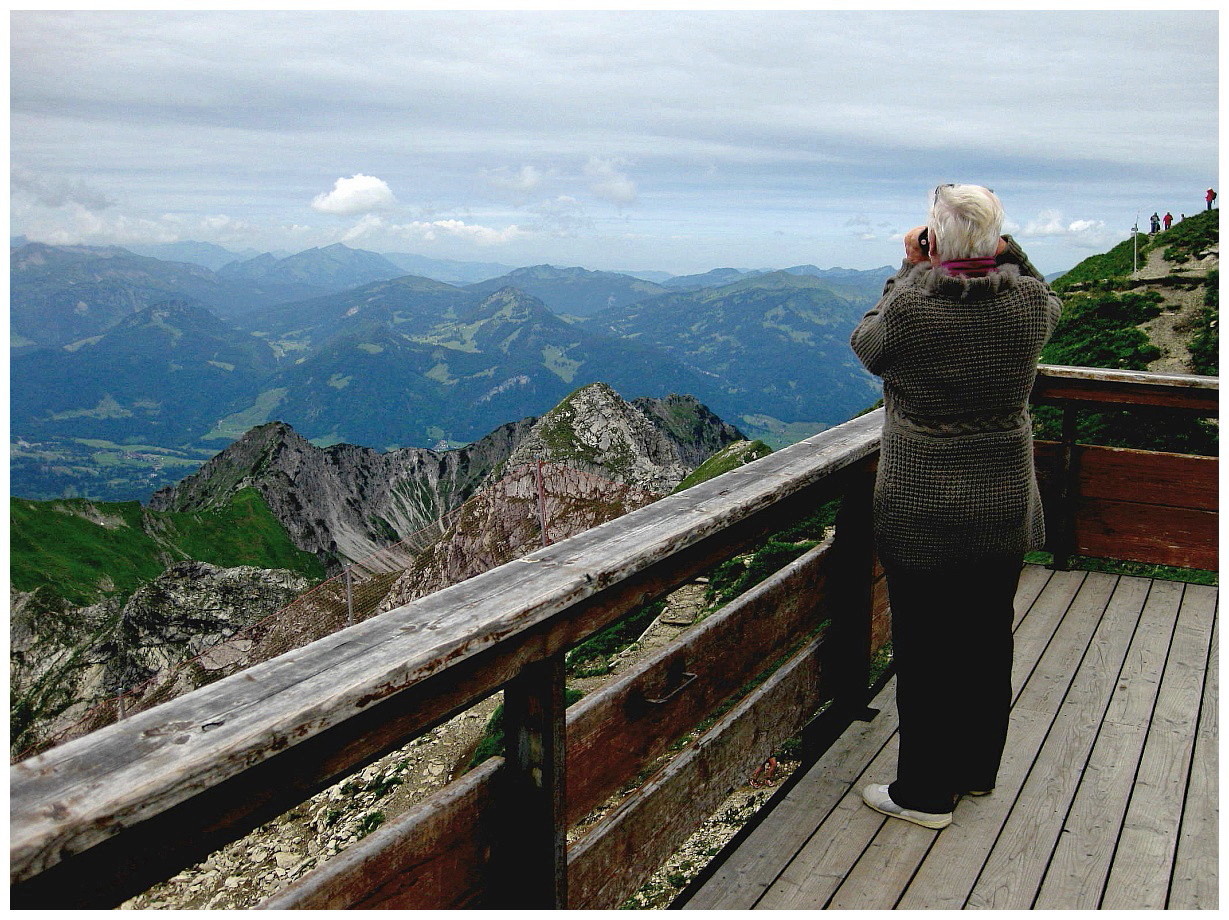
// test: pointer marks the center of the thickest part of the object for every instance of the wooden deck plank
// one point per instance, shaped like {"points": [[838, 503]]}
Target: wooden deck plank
{"points": [[1014, 869], [1194, 885], [1033, 580], [1139, 877], [1038, 628], [884, 868], [1089, 648], [953, 868], [818, 869], [1051, 678], [1078, 869], [748, 871]]}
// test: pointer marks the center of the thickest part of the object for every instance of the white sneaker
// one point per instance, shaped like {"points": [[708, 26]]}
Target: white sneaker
{"points": [[876, 796]]}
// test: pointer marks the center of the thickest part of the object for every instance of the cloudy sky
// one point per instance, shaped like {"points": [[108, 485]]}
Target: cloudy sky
{"points": [[625, 140]]}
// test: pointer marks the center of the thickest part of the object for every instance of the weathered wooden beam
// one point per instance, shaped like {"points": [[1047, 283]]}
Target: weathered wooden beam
{"points": [[181, 764], [1104, 388], [616, 731], [1141, 532], [848, 668], [435, 856], [1150, 477], [529, 869]]}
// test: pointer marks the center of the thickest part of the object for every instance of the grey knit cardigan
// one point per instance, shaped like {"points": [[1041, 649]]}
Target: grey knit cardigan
{"points": [[958, 356]]}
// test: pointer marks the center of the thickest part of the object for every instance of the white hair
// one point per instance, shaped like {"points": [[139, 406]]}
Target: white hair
{"points": [[965, 222]]}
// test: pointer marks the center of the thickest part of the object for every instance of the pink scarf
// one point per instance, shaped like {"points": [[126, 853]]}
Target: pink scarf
{"points": [[970, 268]]}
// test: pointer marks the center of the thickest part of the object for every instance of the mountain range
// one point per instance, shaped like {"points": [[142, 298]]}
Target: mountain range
{"points": [[118, 352]]}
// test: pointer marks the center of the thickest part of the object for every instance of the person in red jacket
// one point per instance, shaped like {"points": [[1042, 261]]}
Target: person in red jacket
{"points": [[1169, 219], [1211, 196]]}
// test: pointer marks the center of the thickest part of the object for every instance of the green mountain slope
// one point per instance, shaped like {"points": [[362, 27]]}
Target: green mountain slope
{"points": [[160, 375], [1152, 309], [378, 382], [775, 348], [82, 551]]}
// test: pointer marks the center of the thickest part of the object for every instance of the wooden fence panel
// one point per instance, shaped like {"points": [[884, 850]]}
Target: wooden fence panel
{"points": [[1149, 477], [612, 735], [615, 732], [1137, 505], [1147, 533], [435, 856], [613, 860]]}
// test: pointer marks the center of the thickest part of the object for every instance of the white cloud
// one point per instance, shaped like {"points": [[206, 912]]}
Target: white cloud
{"points": [[51, 192], [367, 225], [1051, 223], [359, 194], [522, 182], [372, 225], [75, 224], [608, 182]]}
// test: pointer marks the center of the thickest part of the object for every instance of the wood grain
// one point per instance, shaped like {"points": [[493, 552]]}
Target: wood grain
{"points": [[1139, 876], [1196, 865], [432, 857]]}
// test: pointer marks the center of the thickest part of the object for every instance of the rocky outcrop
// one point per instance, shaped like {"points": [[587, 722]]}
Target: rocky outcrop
{"points": [[589, 460], [65, 660], [343, 502], [650, 443]]}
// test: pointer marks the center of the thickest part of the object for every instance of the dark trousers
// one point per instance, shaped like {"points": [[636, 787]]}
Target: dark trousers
{"points": [[952, 647]]}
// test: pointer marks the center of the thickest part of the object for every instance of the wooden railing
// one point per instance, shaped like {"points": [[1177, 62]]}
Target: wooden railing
{"points": [[106, 816]]}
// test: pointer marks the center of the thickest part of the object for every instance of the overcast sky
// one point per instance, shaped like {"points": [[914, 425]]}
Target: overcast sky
{"points": [[620, 140]]}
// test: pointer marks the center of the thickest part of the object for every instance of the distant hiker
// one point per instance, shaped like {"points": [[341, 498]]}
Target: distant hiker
{"points": [[1156, 222], [956, 338], [1169, 219], [1210, 196]]}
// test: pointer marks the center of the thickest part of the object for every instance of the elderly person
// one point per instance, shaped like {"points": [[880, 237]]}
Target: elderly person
{"points": [[956, 338]]}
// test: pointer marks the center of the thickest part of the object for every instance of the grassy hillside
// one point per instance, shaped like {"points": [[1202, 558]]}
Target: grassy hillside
{"points": [[82, 550], [1185, 240], [1105, 323]]}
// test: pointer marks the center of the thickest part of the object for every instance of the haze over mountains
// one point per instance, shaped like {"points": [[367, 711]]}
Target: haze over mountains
{"points": [[129, 370]]}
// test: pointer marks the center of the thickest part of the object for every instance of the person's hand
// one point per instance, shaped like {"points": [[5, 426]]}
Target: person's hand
{"points": [[913, 249]]}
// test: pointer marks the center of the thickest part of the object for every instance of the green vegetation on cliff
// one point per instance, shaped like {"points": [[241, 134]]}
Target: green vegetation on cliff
{"points": [[82, 550]]}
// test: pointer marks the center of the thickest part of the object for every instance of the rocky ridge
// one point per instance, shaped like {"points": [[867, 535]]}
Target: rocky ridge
{"points": [[346, 502]]}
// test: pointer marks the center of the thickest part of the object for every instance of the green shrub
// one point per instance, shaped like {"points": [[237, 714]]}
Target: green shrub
{"points": [[1099, 330], [1205, 343]]}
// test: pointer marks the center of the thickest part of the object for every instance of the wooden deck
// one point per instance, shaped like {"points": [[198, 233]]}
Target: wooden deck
{"points": [[1107, 797]]}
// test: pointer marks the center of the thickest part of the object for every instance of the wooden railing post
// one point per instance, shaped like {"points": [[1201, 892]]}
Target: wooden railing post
{"points": [[1067, 494], [848, 662], [530, 846]]}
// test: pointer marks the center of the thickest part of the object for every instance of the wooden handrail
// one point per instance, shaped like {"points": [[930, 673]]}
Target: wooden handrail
{"points": [[103, 817], [1106, 388]]}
